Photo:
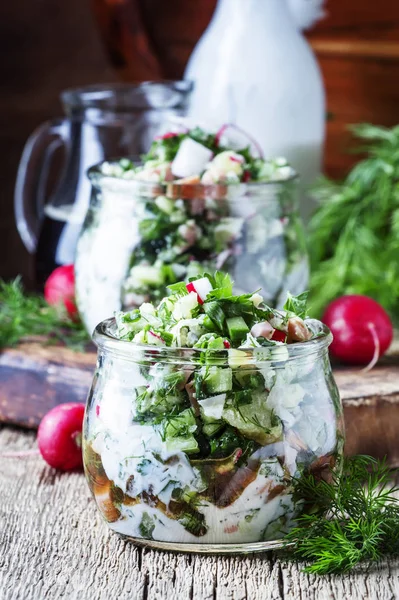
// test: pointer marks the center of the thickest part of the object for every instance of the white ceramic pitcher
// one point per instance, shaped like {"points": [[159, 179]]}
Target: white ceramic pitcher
{"points": [[253, 67]]}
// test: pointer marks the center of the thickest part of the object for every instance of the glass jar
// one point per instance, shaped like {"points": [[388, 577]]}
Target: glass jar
{"points": [[187, 449], [102, 121], [139, 237]]}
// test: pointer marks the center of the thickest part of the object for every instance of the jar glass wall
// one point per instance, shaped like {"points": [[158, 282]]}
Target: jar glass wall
{"points": [[190, 450], [139, 237]]}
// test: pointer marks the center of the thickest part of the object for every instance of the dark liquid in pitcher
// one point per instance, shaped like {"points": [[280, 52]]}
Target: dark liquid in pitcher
{"points": [[56, 246]]}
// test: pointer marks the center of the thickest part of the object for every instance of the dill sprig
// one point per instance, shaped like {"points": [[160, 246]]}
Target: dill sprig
{"points": [[27, 315], [354, 517], [354, 234]]}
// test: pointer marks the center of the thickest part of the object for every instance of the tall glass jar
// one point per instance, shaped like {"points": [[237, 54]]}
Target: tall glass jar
{"points": [[187, 450], [139, 237]]}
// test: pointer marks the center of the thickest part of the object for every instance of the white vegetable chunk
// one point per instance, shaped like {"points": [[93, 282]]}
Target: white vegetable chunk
{"points": [[191, 158]]}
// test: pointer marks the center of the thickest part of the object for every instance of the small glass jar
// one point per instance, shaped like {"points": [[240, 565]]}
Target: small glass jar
{"points": [[192, 450], [139, 237]]}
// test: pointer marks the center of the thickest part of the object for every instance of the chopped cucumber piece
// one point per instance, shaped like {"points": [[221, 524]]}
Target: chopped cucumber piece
{"points": [[237, 328], [210, 429], [183, 425], [165, 204], [186, 444], [146, 275], [237, 357], [215, 312], [256, 420], [218, 380]]}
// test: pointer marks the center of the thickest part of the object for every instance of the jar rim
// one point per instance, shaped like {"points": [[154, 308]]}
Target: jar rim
{"points": [[125, 95], [95, 174], [185, 191], [106, 340]]}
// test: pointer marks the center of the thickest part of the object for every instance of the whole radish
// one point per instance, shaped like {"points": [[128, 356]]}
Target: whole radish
{"points": [[361, 328], [59, 436], [59, 289]]}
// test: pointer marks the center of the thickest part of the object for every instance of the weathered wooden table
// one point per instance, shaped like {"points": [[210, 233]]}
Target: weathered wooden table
{"points": [[54, 545]]}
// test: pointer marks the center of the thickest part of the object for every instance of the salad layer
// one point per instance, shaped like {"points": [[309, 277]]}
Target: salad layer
{"points": [[232, 211], [205, 449]]}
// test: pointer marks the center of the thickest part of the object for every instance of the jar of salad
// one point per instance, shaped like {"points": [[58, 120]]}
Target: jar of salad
{"points": [[194, 205], [205, 413]]}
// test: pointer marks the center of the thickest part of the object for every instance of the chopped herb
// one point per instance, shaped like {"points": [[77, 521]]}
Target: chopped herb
{"points": [[147, 526], [25, 315], [355, 517], [354, 234]]}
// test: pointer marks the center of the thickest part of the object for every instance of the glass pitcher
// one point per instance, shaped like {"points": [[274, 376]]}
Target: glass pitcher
{"points": [[101, 122]]}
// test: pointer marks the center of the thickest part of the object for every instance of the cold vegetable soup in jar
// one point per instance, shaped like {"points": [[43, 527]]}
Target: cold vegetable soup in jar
{"points": [[194, 204], [206, 410]]}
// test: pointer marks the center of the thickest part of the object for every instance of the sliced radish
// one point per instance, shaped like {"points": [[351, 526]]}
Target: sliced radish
{"points": [[167, 135], [157, 337], [201, 287], [237, 139], [278, 336], [226, 344], [264, 330], [237, 158], [191, 158]]}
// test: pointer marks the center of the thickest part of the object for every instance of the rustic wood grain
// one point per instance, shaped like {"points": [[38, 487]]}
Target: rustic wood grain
{"points": [[35, 378], [54, 545]]}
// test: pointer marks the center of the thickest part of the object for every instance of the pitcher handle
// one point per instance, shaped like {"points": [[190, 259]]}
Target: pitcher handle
{"points": [[29, 196]]}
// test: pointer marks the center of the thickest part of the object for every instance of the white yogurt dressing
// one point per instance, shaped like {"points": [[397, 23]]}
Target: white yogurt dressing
{"points": [[127, 448], [102, 258]]}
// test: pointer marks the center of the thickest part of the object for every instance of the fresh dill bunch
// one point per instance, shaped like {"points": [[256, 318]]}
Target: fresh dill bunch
{"points": [[354, 234], [352, 518], [25, 315]]}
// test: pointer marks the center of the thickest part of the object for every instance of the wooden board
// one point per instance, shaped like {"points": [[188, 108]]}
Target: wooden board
{"points": [[34, 378], [54, 545]]}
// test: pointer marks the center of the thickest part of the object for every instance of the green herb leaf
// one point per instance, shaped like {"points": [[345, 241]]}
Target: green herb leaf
{"points": [[178, 288], [23, 315], [354, 517], [353, 235], [297, 304]]}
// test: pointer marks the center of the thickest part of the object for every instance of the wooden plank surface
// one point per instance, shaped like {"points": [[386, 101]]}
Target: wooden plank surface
{"points": [[54, 545], [34, 378]]}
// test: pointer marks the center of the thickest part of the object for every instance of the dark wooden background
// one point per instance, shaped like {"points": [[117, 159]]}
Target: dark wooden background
{"points": [[48, 45]]}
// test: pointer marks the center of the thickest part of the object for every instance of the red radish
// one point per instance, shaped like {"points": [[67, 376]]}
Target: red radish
{"points": [[59, 289], [237, 138], [226, 344], [201, 287], [60, 436], [361, 328]]}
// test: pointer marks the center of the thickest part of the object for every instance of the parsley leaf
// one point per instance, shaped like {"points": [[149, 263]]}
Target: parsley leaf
{"points": [[297, 304]]}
